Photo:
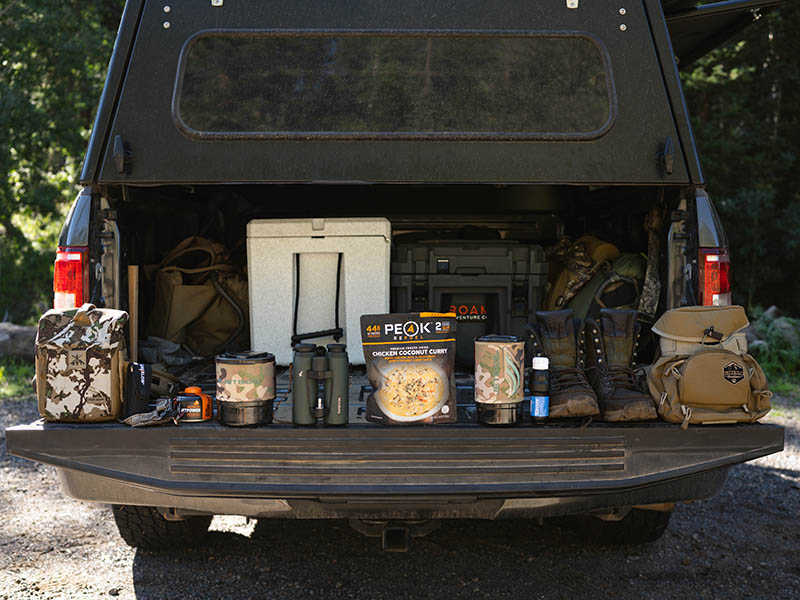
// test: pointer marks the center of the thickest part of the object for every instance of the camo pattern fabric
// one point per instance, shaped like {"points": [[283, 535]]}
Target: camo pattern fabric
{"points": [[165, 411], [78, 362], [244, 382], [499, 372], [648, 303], [573, 257], [651, 290]]}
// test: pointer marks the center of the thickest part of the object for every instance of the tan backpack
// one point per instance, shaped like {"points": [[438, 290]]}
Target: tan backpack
{"points": [[80, 362], [705, 374]]}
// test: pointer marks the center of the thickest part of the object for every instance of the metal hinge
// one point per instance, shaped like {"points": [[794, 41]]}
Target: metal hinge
{"points": [[121, 153], [666, 158], [679, 215]]}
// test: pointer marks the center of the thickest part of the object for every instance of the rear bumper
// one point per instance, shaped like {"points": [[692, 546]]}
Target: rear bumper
{"points": [[301, 471]]}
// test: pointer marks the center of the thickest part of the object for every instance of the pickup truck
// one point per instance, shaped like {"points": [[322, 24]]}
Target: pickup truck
{"points": [[533, 119]]}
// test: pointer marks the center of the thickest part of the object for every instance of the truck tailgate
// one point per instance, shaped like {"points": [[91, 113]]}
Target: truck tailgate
{"points": [[283, 461]]}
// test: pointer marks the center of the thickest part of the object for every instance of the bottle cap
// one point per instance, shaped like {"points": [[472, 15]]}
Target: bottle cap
{"points": [[541, 363]]}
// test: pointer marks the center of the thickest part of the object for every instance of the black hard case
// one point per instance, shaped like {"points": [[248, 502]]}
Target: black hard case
{"points": [[494, 286]]}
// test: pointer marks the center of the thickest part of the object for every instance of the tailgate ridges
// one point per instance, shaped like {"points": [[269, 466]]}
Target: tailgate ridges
{"points": [[406, 460]]}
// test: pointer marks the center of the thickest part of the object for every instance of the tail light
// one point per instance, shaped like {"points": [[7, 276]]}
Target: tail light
{"points": [[71, 277], [715, 277]]}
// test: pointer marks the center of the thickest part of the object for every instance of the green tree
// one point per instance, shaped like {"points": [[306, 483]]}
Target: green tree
{"points": [[743, 98], [53, 57]]}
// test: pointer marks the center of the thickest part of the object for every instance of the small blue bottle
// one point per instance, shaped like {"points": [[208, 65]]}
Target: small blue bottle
{"points": [[539, 386]]}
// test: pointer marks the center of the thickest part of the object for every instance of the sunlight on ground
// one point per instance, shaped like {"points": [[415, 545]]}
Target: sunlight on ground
{"points": [[233, 524]]}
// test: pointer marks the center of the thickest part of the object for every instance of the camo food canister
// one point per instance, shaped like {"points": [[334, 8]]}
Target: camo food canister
{"points": [[499, 378], [245, 387]]}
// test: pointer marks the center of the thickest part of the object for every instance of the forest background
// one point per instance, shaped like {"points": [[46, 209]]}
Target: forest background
{"points": [[744, 98]]}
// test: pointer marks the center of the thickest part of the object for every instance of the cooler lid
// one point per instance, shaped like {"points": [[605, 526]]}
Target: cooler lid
{"points": [[319, 227]]}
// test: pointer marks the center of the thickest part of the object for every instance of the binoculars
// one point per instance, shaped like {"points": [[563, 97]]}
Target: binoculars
{"points": [[320, 384]]}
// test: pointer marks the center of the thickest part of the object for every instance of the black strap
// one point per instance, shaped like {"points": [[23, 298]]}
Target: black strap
{"points": [[296, 294], [337, 332], [713, 334], [338, 287]]}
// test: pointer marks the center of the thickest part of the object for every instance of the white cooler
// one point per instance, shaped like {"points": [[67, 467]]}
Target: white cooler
{"points": [[363, 249]]}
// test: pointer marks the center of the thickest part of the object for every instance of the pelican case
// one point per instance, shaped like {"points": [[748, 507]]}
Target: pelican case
{"points": [[493, 286]]}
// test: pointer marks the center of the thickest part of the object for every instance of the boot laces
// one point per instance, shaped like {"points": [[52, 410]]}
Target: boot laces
{"points": [[567, 377], [623, 377]]}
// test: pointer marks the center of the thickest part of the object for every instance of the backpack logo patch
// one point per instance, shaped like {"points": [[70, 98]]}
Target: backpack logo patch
{"points": [[76, 359], [733, 372]]}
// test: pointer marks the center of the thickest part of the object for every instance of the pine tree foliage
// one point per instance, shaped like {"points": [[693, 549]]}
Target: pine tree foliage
{"points": [[746, 114], [53, 57]]}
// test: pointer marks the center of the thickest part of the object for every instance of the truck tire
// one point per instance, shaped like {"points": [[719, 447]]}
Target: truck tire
{"points": [[145, 528], [639, 526]]}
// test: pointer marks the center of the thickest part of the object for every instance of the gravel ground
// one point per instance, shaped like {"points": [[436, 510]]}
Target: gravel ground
{"points": [[743, 543]]}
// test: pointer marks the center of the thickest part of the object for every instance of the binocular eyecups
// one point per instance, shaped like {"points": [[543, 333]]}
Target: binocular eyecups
{"points": [[319, 350], [305, 348]]}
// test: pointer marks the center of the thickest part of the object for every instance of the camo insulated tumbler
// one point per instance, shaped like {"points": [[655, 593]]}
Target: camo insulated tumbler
{"points": [[245, 387], [499, 378]]}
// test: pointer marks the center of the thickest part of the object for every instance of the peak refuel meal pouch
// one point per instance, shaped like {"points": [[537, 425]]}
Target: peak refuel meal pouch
{"points": [[410, 362]]}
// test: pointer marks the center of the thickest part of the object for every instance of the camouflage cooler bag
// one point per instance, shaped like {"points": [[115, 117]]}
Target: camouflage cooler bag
{"points": [[80, 364]]}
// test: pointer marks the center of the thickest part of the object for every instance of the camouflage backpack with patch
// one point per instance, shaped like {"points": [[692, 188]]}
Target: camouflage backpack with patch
{"points": [[80, 355]]}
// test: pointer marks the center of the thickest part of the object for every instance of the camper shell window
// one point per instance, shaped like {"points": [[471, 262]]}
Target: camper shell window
{"points": [[462, 85]]}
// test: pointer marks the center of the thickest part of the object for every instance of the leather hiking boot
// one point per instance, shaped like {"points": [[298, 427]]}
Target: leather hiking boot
{"points": [[612, 346], [556, 337]]}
